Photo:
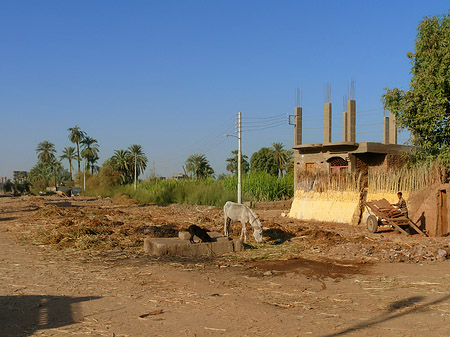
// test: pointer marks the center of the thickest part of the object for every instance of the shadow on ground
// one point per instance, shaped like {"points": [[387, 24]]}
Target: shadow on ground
{"points": [[407, 306], [277, 235], [25, 314]]}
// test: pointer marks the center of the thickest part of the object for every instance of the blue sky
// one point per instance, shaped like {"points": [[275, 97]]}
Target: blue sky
{"points": [[172, 75]]}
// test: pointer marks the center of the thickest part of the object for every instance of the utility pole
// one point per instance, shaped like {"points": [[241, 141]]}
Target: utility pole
{"points": [[239, 196], [84, 176], [239, 137], [135, 164]]}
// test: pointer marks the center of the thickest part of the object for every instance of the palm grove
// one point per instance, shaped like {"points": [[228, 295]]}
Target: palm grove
{"points": [[126, 165], [123, 167]]}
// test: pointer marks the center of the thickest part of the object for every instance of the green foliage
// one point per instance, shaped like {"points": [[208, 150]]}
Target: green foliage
{"points": [[162, 192], [198, 166], [76, 136], [90, 152], [281, 157], [264, 161], [46, 151], [139, 159], [8, 186], [262, 186], [125, 163], [70, 154], [425, 108], [232, 163], [121, 162], [45, 174], [22, 187], [259, 186], [109, 176]]}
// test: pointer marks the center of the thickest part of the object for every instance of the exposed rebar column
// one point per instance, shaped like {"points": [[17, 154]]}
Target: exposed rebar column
{"points": [[298, 126], [351, 120], [386, 134], [327, 123], [392, 129], [344, 127]]}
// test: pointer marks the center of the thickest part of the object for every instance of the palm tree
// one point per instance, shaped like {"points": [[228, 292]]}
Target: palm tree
{"points": [[69, 154], [121, 162], [233, 162], [198, 166], [76, 136], [140, 160], [54, 164], [90, 151], [289, 165], [280, 156], [40, 175], [45, 151]]}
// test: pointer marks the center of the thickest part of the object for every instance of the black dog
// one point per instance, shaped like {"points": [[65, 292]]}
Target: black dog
{"points": [[199, 232]]}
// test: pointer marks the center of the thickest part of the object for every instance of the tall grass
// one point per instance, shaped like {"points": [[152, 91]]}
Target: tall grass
{"points": [[261, 186], [255, 187]]}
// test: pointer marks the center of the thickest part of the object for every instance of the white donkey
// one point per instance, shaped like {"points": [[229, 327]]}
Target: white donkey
{"points": [[242, 213]]}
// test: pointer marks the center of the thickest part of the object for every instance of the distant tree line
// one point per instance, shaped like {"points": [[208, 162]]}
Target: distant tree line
{"points": [[125, 166]]}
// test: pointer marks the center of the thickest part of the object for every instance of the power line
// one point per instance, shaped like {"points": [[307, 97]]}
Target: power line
{"points": [[256, 127], [212, 139], [262, 118]]}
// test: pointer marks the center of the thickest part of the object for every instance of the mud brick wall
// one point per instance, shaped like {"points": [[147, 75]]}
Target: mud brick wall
{"points": [[393, 161], [366, 160]]}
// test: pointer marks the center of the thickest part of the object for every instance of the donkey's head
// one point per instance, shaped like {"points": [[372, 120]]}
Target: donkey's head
{"points": [[258, 234], [257, 230]]}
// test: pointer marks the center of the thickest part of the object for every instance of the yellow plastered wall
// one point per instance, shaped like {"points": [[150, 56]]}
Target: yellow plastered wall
{"points": [[325, 206], [332, 206]]}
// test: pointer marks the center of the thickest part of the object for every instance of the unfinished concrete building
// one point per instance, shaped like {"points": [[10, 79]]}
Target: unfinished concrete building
{"points": [[346, 155], [321, 197]]}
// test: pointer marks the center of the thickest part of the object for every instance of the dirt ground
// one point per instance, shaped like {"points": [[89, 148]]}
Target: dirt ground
{"points": [[76, 267]]}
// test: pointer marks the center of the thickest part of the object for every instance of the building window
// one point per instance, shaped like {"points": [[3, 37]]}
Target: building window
{"points": [[338, 165]]}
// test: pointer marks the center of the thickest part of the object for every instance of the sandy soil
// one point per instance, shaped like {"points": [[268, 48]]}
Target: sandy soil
{"points": [[75, 267]]}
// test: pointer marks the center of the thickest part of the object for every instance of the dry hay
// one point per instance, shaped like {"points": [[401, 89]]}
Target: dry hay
{"points": [[51, 210], [82, 233], [99, 229], [124, 200]]}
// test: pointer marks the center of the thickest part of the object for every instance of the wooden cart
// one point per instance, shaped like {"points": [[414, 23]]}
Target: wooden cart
{"points": [[382, 213]]}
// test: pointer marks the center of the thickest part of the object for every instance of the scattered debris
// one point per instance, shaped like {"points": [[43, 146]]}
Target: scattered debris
{"points": [[442, 253], [215, 329], [148, 316]]}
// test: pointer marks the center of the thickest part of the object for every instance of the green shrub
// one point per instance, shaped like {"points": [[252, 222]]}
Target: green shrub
{"points": [[257, 186], [262, 186]]}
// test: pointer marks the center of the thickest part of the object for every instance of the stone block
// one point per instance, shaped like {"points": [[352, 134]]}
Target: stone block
{"points": [[184, 235], [174, 246]]}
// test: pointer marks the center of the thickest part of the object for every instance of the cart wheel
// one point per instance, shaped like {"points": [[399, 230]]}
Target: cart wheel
{"points": [[372, 223]]}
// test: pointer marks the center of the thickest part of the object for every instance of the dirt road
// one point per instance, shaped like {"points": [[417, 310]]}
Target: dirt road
{"points": [[46, 291]]}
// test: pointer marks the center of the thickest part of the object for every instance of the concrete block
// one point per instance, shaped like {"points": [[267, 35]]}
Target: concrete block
{"points": [[238, 245], [174, 246], [184, 235]]}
